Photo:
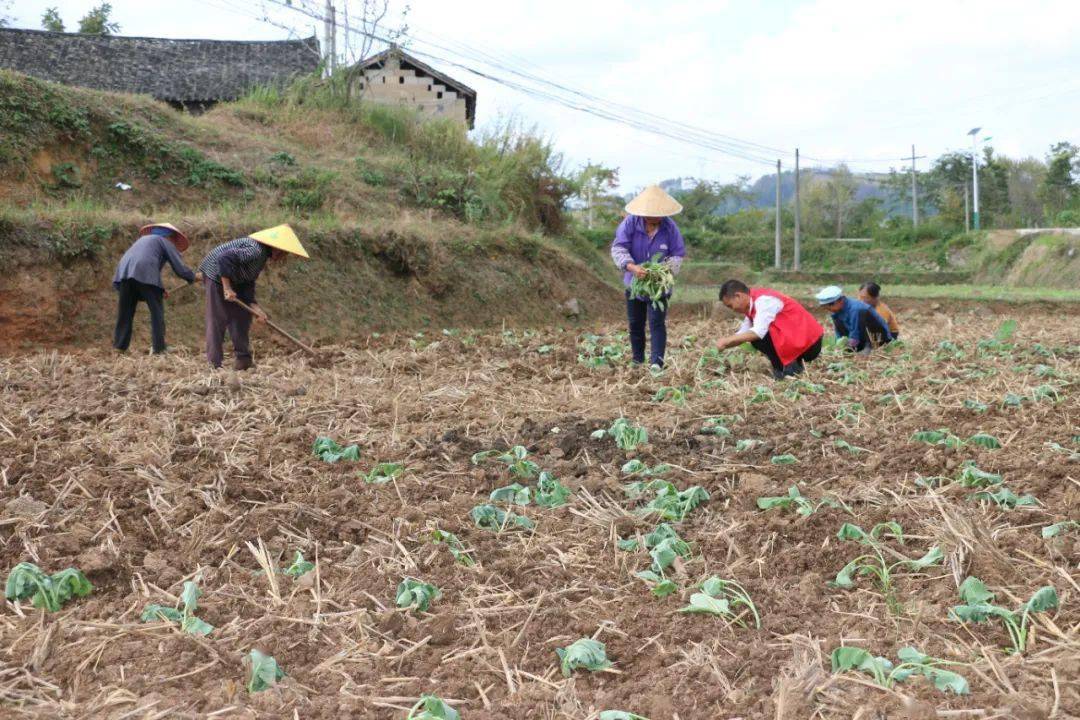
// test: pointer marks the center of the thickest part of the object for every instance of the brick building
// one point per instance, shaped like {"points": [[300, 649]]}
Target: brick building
{"points": [[394, 77]]}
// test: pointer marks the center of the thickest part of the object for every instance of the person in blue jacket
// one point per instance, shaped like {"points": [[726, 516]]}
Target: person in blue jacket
{"points": [[857, 321], [138, 279]]}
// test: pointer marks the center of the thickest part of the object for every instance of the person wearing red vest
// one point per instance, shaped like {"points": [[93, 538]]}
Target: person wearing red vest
{"points": [[779, 327]]}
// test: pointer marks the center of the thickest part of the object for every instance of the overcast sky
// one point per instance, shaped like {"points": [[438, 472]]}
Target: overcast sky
{"points": [[837, 78]]}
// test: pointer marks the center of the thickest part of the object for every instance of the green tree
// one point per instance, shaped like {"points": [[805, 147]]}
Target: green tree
{"points": [[52, 21], [97, 21], [708, 199], [1026, 178], [1060, 187], [593, 185]]}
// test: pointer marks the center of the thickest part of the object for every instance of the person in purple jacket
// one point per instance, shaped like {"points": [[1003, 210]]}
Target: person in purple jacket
{"points": [[138, 278], [647, 231]]}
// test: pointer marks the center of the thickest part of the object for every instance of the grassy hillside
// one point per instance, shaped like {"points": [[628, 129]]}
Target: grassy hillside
{"points": [[408, 222]]}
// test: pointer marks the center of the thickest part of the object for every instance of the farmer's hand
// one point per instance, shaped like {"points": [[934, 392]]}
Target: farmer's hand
{"points": [[199, 276], [639, 272], [229, 294], [260, 316], [722, 343]]}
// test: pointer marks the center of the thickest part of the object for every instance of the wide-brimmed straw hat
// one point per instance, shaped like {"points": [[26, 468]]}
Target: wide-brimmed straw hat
{"points": [[179, 238], [653, 202], [281, 237], [829, 295]]}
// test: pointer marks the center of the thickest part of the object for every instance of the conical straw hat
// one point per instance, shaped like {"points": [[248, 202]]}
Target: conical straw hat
{"points": [[281, 237], [179, 238], [653, 202]]}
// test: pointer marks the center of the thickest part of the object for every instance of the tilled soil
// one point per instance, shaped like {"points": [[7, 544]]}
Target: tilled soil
{"points": [[146, 472]]}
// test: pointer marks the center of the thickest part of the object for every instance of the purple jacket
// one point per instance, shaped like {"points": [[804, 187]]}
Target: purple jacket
{"points": [[632, 245]]}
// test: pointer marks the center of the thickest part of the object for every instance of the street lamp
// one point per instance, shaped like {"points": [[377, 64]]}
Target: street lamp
{"points": [[975, 173]]}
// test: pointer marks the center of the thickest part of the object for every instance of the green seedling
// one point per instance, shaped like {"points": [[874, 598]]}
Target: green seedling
{"points": [[715, 426], [657, 283], [1012, 400], [723, 598], [798, 388], [595, 354], [664, 545], [431, 707], [492, 518], [637, 468], [628, 544], [1058, 528], [874, 563], [550, 493], [912, 662], [658, 584], [515, 494], [984, 440], [948, 350], [670, 503], [977, 608], [265, 672], [50, 592], [1004, 498], [620, 715], [976, 406], [626, 435], [850, 411], [383, 473], [190, 624], [516, 459], [299, 566], [845, 445], [747, 444], [786, 459], [1059, 448], [329, 451], [674, 395], [545, 349], [762, 394], [583, 654], [971, 476], [938, 437], [795, 499], [417, 595], [1045, 392], [456, 547], [930, 481], [1044, 371]]}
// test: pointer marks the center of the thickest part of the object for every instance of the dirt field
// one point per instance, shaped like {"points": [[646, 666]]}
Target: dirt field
{"points": [[146, 472]]}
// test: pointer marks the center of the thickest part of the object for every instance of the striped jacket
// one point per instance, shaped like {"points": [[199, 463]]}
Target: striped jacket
{"points": [[239, 260]]}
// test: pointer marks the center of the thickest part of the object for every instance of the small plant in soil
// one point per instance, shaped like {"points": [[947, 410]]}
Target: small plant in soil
{"points": [[550, 493], [674, 395], [383, 473], [1045, 392], [329, 451], [583, 654], [984, 440], [761, 394], [416, 595], [670, 503], [795, 500], [786, 459], [636, 468], [715, 426], [1060, 528], [845, 445], [515, 494], [50, 592], [190, 624], [723, 598], [850, 412], [265, 672], [971, 476], [620, 715], [976, 406], [454, 544], [299, 566], [595, 353], [432, 707], [516, 460], [875, 564], [912, 662], [977, 607], [938, 437], [747, 444], [664, 545], [492, 518], [1004, 498], [626, 435]]}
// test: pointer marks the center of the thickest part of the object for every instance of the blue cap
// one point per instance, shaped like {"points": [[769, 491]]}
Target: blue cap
{"points": [[829, 295]]}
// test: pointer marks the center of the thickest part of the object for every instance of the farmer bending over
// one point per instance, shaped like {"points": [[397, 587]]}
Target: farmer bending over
{"points": [[855, 320], [868, 293], [230, 271], [138, 277], [648, 231], [779, 327]]}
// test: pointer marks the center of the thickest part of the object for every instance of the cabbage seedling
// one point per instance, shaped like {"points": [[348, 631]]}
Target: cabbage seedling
{"points": [[715, 426], [912, 662], [938, 437], [971, 476], [675, 395], [664, 545], [431, 707], [50, 592], [657, 284], [874, 563], [985, 440], [299, 566], [329, 451], [1057, 528], [747, 444], [1004, 498], [786, 459], [761, 394], [626, 435], [795, 499], [265, 672], [417, 595], [976, 406], [190, 624], [456, 547], [670, 502], [723, 597], [977, 608], [620, 715], [845, 445], [550, 492], [515, 494], [492, 518], [515, 459], [640, 469], [383, 473], [584, 654]]}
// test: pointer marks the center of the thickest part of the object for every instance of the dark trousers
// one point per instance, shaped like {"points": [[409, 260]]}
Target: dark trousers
{"points": [[637, 311], [221, 316], [766, 347], [130, 292], [873, 334]]}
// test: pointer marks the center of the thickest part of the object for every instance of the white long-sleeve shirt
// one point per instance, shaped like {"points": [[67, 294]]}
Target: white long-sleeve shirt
{"points": [[766, 309]]}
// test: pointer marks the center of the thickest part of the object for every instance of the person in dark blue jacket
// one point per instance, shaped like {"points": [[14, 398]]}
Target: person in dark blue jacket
{"points": [[138, 278], [858, 322]]}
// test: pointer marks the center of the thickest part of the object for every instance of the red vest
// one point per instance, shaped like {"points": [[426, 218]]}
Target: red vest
{"points": [[794, 330]]}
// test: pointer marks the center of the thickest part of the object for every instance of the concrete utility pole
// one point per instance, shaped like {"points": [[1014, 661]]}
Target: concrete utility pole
{"points": [[967, 216], [777, 263], [797, 264], [914, 190], [330, 37], [975, 175]]}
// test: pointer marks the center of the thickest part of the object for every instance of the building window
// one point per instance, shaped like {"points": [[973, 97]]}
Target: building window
{"points": [[429, 88], [401, 80], [438, 95]]}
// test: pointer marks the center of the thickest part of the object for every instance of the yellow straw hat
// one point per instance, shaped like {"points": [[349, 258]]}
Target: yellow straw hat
{"points": [[653, 202], [179, 239], [281, 237]]}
